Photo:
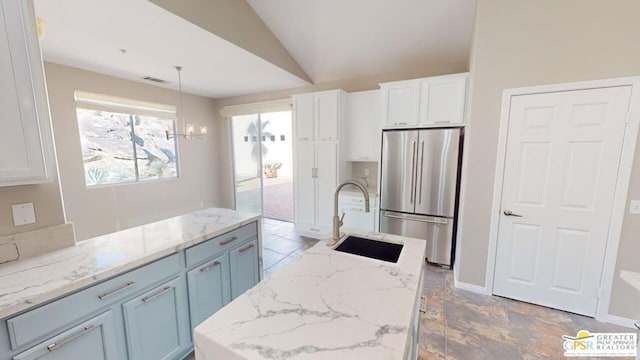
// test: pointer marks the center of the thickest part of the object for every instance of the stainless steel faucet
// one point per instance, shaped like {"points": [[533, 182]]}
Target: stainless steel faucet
{"points": [[337, 221]]}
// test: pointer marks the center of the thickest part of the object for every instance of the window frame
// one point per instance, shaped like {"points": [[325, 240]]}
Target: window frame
{"points": [[130, 108]]}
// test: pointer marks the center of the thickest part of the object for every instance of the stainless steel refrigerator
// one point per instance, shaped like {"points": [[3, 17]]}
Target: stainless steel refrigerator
{"points": [[419, 187]]}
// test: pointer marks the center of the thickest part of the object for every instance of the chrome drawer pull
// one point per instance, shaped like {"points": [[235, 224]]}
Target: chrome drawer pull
{"points": [[209, 267], [246, 248], [151, 297], [115, 291], [423, 308], [57, 345], [233, 238], [314, 229]]}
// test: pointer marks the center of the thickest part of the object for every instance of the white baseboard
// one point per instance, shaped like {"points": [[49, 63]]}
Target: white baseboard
{"points": [[622, 321]]}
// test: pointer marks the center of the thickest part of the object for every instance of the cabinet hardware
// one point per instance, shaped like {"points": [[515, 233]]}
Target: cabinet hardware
{"points": [[209, 267], [443, 122], [57, 345], [423, 308], [117, 290], [401, 123], [233, 238], [246, 248], [151, 297], [314, 229]]}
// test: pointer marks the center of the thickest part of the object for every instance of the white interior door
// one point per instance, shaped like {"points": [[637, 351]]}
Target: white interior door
{"points": [[562, 156]]}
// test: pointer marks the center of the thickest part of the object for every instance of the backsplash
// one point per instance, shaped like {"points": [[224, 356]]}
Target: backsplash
{"points": [[37, 242], [358, 169]]}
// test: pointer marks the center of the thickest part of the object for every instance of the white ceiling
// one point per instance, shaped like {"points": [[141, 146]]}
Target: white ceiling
{"points": [[88, 34], [343, 39]]}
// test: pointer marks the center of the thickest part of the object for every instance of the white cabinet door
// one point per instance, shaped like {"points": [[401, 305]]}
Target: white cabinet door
{"points": [[304, 113], [363, 135], [305, 202], [327, 114], [400, 103], [326, 181], [442, 100], [22, 94]]}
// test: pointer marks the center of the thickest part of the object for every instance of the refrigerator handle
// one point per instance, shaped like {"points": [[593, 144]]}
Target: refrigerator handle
{"points": [[431, 220], [413, 171], [421, 170]]}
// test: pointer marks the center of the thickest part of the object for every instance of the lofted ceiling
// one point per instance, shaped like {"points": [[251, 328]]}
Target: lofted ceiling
{"points": [[338, 39], [324, 39], [88, 34]]}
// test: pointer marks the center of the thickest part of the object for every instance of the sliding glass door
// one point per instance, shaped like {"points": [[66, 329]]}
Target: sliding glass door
{"points": [[263, 161], [247, 155]]}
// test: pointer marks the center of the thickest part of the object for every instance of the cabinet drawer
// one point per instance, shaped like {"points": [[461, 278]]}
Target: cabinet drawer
{"points": [[357, 200], [33, 325], [208, 249], [94, 339]]}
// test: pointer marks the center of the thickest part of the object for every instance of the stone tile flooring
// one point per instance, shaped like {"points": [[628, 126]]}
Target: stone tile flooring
{"points": [[280, 244], [459, 324]]}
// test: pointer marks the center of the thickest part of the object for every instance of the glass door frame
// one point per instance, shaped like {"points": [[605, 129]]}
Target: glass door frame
{"points": [[233, 161]]}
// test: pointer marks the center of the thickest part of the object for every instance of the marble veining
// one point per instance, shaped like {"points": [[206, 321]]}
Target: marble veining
{"points": [[323, 305], [35, 280]]}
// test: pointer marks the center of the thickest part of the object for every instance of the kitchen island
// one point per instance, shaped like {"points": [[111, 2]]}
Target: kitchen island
{"points": [[324, 305], [133, 294]]}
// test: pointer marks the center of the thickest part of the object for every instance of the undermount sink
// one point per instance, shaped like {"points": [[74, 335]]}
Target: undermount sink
{"points": [[371, 248]]}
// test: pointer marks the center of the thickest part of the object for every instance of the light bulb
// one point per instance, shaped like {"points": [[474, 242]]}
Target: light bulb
{"points": [[189, 129], [203, 130]]}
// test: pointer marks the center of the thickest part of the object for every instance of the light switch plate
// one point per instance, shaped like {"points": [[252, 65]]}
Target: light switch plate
{"points": [[634, 208], [23, 214]]}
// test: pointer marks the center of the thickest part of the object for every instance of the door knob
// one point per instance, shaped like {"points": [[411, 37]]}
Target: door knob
{"points": [[508, 212]]}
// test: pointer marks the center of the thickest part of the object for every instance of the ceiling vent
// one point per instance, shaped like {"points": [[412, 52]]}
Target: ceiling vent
{"points": [[156, 80]]}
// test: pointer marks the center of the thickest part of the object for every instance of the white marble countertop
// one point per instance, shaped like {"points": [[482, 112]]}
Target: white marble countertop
{"points": [[26, 283], [323, 305]]}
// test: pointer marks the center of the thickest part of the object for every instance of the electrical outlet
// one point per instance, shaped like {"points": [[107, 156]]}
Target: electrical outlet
{"points": [[635, 207], [366, 172], [23, 214]]}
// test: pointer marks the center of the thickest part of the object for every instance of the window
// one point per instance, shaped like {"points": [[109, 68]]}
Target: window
{"points": [[123, 143]]}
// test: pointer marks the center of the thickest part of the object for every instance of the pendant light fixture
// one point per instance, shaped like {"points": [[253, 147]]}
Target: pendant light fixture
{"points": [[188, 130]]}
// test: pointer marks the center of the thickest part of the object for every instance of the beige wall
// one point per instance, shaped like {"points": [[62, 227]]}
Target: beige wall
{"points": [[103, 210], [46, 200], [348, 85], [524, 43]]}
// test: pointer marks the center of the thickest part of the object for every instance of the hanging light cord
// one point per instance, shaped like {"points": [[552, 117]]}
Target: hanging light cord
{"points": [[179, 68]]}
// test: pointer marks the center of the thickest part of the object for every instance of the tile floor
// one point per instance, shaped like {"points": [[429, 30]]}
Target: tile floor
{"points": [[463, 325], [459, 324]]}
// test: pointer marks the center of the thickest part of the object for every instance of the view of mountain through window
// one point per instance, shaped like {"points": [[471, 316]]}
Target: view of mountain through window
{"points": [[121, 148]]}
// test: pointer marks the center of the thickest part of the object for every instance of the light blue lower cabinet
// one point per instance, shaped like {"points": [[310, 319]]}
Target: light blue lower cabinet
{"points": [[209, 289], [243, 265], [156, 323], [94, 339]]}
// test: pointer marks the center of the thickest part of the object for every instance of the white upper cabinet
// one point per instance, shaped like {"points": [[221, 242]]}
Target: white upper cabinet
{"points": [[25, 139], [401, 103], [303, 107], [442, 100], [363, 127], [426, 102], [317, 115]]}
